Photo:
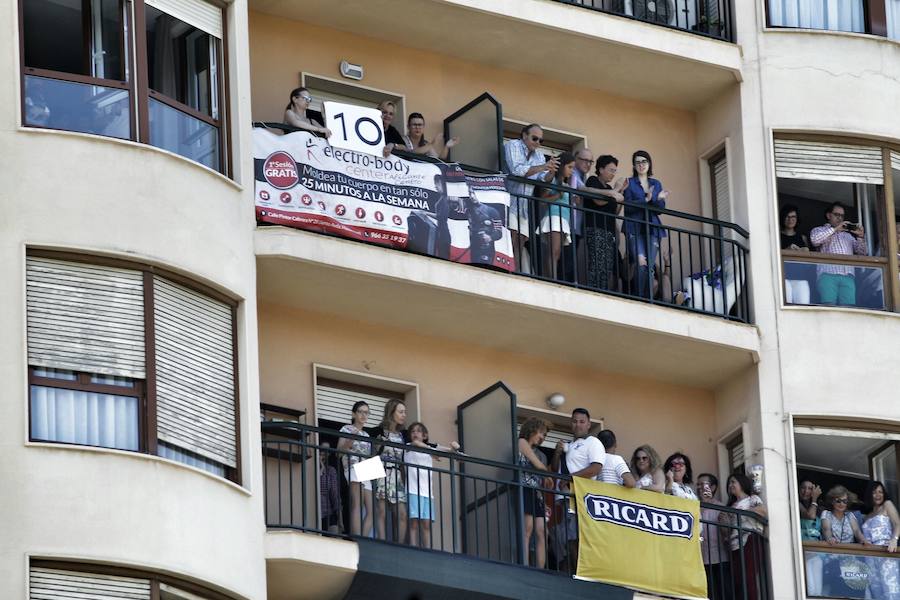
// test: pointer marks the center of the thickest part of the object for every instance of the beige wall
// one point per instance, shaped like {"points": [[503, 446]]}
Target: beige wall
{"points": [[438, 85], [448, 373]]}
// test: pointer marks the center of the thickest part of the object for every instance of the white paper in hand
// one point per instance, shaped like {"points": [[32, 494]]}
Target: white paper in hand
{"points": [[354, 127], [369, 469]]}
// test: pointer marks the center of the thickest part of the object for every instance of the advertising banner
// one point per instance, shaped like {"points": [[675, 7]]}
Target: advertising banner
{"points": [[433, 209], [639, 539]]}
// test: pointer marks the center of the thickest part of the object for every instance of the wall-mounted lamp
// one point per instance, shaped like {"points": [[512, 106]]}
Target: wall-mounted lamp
{"points": [[556, 400], [351, 71]]}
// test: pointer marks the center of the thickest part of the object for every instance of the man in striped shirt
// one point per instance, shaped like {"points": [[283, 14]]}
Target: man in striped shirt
{"points": [[615, 469], [837, 283]]}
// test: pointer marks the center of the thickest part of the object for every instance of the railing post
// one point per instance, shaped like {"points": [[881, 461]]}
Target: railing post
{"points": [[453, 503]]}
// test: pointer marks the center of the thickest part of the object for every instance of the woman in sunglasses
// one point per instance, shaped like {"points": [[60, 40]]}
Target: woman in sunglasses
{"points": [[679, 476], [839, 525], [295, 113], [647, 469]]}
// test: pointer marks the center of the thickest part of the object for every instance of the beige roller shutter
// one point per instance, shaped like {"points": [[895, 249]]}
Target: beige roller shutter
{"points": [[202, 15], [85, 317], [895, 165], [194, 372], [57, 584], [334, 403], [799, 159], [554, 435], [723, 197]]}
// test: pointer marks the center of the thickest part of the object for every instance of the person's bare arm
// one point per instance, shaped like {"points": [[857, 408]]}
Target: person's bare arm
{"points": [[526, 449], [589, 472], [628, 480]]}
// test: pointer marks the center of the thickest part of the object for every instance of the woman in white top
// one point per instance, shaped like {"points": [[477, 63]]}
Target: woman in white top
{"points": [[679, 476], [360, 493], [419, 484], [295, 113], [647, 469]]}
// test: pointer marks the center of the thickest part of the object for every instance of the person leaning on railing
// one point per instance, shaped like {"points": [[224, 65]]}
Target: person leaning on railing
{"points": [[419, 485], [295, 113], [811, 531], [839, 526], [746, 536], [600, 234], [414, 141], [882, 528], [796, 290], [679, 476], [647, 468], [713, 545]]}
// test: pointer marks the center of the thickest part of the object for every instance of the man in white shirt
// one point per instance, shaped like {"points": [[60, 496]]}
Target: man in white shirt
{"points": [[585, 456], [615, 469]]}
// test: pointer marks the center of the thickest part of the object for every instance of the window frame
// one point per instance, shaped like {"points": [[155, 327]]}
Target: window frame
{"points": [[889, 264], [134, 61], [147, 420], [137, 573], [874, 16]]}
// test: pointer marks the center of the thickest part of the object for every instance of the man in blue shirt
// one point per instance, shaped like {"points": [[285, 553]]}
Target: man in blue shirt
{"points": [[524, 159]]}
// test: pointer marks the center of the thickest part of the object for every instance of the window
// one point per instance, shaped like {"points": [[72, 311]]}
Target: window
{"points": [[842, 458], [823, 266], [126, 357], [145, 70], [72, 581], [833, 15]]}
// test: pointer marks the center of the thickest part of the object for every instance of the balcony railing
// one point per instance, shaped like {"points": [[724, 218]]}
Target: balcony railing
{"points": [[478, 508], [710, 18], [699, 264], [850, 571]]}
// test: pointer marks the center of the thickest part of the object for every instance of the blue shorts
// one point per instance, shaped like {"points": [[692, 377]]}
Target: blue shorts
{"points": [[420, 507]]}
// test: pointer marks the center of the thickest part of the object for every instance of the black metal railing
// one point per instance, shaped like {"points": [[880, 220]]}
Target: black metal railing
{"points": [[640, 252], [710, 18], [700, 266], [475, 507]]}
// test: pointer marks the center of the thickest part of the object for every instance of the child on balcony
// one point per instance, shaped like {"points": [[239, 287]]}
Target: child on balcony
{"points": [[420, 491]]}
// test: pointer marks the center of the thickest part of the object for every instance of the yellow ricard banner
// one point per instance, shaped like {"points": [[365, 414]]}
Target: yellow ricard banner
{"points": [[637, 539]]}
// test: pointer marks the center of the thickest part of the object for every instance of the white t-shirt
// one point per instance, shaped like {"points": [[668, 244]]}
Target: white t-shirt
{"points": [[613, 468], [583, 452], [418, 480]]}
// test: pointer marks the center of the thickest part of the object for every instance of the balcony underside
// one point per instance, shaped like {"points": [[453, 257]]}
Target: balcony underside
{"points": [[534, 36], [363, 283]]}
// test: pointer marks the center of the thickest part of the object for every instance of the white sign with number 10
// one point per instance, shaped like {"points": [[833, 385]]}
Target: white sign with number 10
{"points": [[354, 127]]}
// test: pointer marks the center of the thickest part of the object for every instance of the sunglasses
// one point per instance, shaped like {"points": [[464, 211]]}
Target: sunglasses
{"points": [[537, 139], [677, 463], [307, 98], [642, 457], [840, 501]]}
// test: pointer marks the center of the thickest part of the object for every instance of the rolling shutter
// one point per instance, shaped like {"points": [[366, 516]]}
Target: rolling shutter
{"points": [[202, 15], [720, 183], [85, 317], [335, 403], [799, 159], [195, 393], [553, 436], [57, 584], [895, 165]]}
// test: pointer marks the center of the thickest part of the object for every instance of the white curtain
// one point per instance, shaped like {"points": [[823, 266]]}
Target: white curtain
{"points": [[85, 418], [893, 19], [189, 458], [834, 15]]}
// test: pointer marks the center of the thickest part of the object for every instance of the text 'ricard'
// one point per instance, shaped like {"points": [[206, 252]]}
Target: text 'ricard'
{"points": [[651, 519]]}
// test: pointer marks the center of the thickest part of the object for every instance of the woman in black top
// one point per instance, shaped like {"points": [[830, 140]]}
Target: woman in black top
{"points": [[796, 275], [600, 223]]}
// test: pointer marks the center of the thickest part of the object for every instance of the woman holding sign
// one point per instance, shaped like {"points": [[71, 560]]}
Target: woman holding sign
{"points": [[295, 113]]}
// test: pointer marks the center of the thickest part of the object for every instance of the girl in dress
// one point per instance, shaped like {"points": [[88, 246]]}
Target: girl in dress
{"points": [[390, 491], [557, 216]]}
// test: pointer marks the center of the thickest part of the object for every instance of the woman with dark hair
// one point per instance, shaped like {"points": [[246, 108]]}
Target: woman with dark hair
{"points": [[642, 238], [713, 548], [647, 469], [295, 113], [391, 489], [811, 530], [557, 215], [745, 536], [679, 476], [360, 492], [531, 436], [882, 528], [796, 287], [415, 142]]}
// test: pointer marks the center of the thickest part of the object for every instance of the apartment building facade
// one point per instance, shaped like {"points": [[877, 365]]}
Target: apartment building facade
{"points": [[151, 323]]}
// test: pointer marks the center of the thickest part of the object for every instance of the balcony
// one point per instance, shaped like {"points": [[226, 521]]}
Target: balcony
{"points": [[477, 528]]}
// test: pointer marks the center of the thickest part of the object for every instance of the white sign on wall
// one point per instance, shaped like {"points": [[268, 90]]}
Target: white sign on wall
{"points": [[354, 127]]}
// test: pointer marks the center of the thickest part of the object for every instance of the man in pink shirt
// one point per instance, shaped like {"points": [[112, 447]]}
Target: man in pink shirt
{"points": [[837, 283]]}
